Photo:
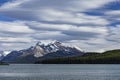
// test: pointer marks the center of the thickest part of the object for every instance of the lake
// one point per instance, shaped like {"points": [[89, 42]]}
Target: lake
{"points": [[60, 72]]}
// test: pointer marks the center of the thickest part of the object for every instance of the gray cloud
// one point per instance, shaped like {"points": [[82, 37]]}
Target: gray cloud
{"points": [[113, 16], [57, 10]]}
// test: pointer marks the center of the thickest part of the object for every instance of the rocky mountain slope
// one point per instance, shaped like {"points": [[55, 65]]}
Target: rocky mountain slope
{"points": [[41, 52]]}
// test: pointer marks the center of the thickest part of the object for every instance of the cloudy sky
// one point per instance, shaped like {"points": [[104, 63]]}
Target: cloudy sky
{"points": [[93, 25]]}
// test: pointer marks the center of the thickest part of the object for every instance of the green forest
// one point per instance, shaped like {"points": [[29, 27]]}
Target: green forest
{"points": [[108, 57]]}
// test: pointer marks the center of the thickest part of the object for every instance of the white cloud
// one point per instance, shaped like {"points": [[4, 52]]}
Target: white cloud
{"points": [[50, 35], [15, 27], [6, 44], [114, 34], [89, 4], [66, 27], [75, 5], [65, 31], [12, 4], [113, 12], [74, 18], [14, 46], [57, 11], [14, 40], [113, 15], [63, 20]]}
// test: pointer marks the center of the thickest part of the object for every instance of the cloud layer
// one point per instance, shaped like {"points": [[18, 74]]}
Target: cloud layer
{"points": [[63, 20]]}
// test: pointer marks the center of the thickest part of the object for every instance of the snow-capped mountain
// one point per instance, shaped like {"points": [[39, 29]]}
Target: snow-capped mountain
{"points": [[41, 51], [3, 54]]}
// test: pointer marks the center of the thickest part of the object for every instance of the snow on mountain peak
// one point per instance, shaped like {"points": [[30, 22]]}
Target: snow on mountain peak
{"points": [[55, 41], [38, 51], [3, 54], [54, 46], [78, 48], [6, 52], [43, 51], [39, 43]]}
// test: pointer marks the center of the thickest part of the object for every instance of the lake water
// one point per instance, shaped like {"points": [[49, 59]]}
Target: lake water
{"points": [[60, 72]]}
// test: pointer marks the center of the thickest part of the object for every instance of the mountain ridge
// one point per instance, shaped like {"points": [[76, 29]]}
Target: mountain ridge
{"points": [[41, 51]]}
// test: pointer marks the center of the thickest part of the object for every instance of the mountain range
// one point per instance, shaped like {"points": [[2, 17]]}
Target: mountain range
{"points": [[59, 53], [41, 52]]}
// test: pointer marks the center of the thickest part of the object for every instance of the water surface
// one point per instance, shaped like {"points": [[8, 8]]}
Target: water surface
{"points": [[60, 72]]}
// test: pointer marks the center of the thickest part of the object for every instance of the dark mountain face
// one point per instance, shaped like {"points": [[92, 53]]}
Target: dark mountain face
{"points": [[41, 51]]}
